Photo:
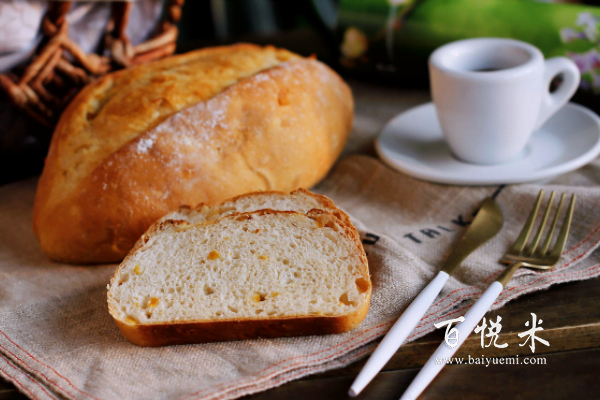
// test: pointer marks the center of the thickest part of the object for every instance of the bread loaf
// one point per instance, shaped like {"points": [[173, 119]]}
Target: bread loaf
{"points": [[246, 275], [196, 128]]}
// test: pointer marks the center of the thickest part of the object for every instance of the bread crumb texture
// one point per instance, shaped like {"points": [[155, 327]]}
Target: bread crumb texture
{"points": [[265, 264]]}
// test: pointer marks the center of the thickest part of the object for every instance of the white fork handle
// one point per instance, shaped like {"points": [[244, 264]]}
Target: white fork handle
{"points": [[398, 334], [438, 360]]}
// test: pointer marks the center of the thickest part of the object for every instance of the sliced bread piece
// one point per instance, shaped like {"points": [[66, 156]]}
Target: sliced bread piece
{"points": [[246, 275]]}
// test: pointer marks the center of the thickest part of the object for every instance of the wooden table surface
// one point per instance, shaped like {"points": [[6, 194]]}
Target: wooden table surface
{"points": [[571, 314]]}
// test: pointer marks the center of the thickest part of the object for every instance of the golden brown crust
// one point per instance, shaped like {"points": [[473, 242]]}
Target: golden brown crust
{"points": [[220, 331], [323, 200], [189, 332], [281, 128]]}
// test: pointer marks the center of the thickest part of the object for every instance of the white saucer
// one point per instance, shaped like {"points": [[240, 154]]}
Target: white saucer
{"points": [[413, 143]]}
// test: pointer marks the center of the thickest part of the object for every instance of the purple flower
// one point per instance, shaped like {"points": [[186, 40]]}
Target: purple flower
{"points": [[587, 19], [589, 23], [586, 62], [568, 35]]}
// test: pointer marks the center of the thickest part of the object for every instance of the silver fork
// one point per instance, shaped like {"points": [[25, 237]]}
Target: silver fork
{"points": [[519, 255]]}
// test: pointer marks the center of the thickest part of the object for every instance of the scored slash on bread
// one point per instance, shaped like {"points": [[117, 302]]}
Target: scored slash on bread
{"points": [[220, 273]]}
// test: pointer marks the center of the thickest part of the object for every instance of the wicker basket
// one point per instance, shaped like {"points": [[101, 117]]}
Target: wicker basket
{"points": [[60, 68]]}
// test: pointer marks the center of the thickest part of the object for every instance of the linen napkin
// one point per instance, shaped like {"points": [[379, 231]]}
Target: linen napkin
{"points": [[57, 339]]}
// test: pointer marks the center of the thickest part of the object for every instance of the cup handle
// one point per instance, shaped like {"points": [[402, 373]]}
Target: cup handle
{"points": [[551, 102]]}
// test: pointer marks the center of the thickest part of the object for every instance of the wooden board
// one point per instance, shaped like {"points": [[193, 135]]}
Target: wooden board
{"points": [[567, 375]]}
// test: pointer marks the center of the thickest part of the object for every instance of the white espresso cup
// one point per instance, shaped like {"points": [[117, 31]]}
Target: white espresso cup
{"points": [[491, 94]]}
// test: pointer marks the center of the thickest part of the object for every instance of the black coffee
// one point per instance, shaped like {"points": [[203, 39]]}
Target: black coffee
{"points": [[486, 69]]}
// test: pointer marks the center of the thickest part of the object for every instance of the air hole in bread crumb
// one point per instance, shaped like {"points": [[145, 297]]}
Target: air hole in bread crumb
{"points": [[296, 274], [286, 262], [213, 255], [130, 320], [208, 290], [148, 314], [258, 297], [362, 285], [124, 278], [233, 309], [344, 300], [258, 311], [153, 302], [272, 312]]}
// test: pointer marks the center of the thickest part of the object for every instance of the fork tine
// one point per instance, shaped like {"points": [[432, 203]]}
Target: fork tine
{"points": [[538, 235], [519, 244], [542, 251], [561, 240]]}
